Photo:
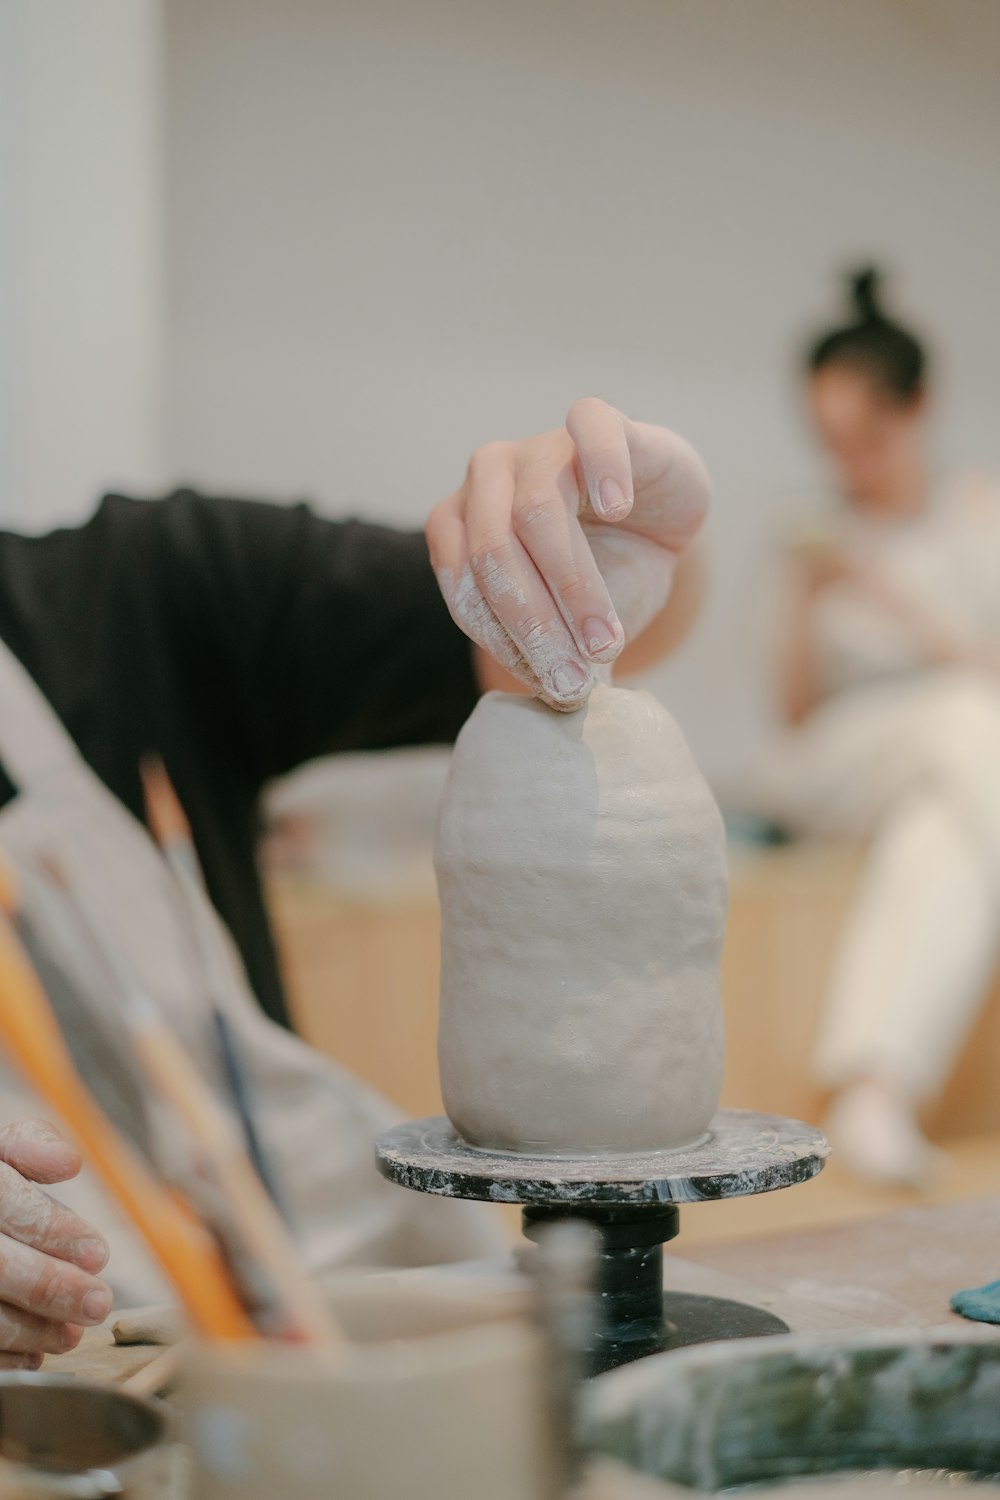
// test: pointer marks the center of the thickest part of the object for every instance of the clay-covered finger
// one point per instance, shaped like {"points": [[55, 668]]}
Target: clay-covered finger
{"points": [[534, 622], [546, 524], [36, 1149], [516, 592], [26, 1333], [598, 432], [446, 540], [54, 1289], [29, 1214]]}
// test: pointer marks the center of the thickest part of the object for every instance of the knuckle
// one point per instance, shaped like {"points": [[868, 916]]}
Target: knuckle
{"points": [[535, 630], [585, 406], [574, 587], [534, 509], [49, 1288], [488, 558], [483, 461]]}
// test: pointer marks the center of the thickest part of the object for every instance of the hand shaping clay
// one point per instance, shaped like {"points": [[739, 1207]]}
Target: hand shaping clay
{"points": [[582, 873]]}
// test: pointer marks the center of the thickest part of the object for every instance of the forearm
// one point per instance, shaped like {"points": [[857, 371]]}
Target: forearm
{"points": [[936, 640]]}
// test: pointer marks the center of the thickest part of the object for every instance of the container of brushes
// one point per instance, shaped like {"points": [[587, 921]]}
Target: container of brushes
{"points": [[438, 1393], [62, 1439]]}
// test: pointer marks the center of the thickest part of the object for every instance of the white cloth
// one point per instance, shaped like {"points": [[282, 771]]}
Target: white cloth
{"points": [[946, 561], [317, 1123]]}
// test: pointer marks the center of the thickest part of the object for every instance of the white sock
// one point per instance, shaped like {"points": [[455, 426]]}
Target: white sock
{"points": [[874, 1134]]}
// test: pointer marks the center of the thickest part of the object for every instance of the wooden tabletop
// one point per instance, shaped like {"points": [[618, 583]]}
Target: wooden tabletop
{"points": [[893, 1271]]}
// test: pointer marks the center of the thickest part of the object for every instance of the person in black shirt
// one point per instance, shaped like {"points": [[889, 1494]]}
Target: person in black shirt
{"points": [[238, 639]]}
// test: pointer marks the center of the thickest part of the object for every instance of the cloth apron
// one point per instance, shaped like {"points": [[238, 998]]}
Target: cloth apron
{"points": [[317, 1122]]}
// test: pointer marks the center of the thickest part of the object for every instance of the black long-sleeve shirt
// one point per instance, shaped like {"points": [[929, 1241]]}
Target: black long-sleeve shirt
{"points": [[237, 640]]}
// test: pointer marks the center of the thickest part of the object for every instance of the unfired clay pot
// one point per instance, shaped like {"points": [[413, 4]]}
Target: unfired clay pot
{"points": [[582, 873]]}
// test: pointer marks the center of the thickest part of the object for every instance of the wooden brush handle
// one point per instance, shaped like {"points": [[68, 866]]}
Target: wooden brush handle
{"points": [[260, 1224], [184, 1249]]}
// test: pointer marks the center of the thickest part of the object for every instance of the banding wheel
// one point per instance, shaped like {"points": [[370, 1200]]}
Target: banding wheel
{"points": [[632, 1201]]}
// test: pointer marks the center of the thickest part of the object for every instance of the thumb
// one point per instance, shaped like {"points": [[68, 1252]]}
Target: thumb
{"points": [[38, 1151]]}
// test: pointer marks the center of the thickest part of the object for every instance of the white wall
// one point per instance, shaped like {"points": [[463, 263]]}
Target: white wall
{"points": [[398, 229], [80, 254]]}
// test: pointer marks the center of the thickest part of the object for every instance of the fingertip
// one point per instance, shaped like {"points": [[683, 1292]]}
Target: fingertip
{"points": [[602, 639], [586, 406], [92, 1254], [62, 1161], [70, 1335], [613, 501], [567, 688], [37, 1150], [564, 705], [97, 1303]]}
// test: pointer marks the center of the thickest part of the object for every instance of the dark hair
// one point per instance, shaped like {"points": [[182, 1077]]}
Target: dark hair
{"points": [[874, 345]]}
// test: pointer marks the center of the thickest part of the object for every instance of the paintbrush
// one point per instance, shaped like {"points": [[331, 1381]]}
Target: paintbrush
{"points": [[184, 1249], [99, 1051], [172, 831], [260, 1249]]}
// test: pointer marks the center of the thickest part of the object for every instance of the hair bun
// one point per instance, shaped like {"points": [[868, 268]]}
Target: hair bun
{"points": [[865, 286]]}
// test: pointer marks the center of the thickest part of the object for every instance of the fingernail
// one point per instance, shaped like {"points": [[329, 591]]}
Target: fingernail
{"points": [[97, 1304], [599, 636], [568, 679], [94, 1254], [614, 501]]}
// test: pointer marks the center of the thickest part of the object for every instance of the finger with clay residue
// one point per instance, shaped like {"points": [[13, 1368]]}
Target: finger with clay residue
{"points": [[53, 1289], [474, 614], [501, 499], [36, 1150], [33, 1217], [26, 1333], [474, 618], [560, 560], [516, 593]]}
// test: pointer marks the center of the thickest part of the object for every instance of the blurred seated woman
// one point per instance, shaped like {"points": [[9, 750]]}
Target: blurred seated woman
{"points": [[889, 680]]}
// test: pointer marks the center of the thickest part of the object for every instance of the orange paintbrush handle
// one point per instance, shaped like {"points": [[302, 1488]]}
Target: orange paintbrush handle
{"points": [[187, 1253]]}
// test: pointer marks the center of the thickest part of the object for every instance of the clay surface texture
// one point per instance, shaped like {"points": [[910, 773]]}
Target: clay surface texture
{"points": [[582, 873]]}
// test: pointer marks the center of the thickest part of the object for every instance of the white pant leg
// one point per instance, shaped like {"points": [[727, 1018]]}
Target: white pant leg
{"points": [[916, 954], [918, 765]]}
